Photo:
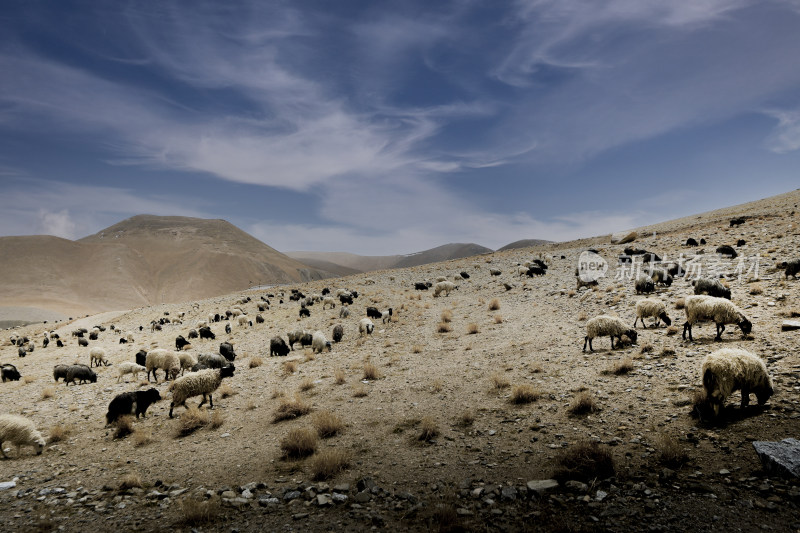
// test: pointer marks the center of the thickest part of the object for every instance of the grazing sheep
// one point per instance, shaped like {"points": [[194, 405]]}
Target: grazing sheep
{"points": [[59, 343], [328, 301], [727, 251], [192, 334], [372, 312], [344, 312], [661, 277], [277, 346], [9, 372], [612, 326], [97, 355], [206, 333], [93, 335], [180, 342], [338, 332], [711, 287], [242, 320], [262, 307], [83, 342], [45, 342], [522, 271], [737, 221], [161, 359], [259, 319], [81, 374], [720, 310], [644, 285], [495, 272], [226, 351], [792, 268], [122, 340], [204, 382], [464, 275], [386, 315], [365, 327], [20, 431], [648, 307], [228, 328], [210, 360], [443, 287], [691, 242], [420, 286], [60, 372], [730, 369], [187, 361], [294, 336], [201, 324], [130, 403], [535, 270], [306, 339], [125, 368], [319, 342], [304, 312], [346, 299], [141, 357], [740, 242]]}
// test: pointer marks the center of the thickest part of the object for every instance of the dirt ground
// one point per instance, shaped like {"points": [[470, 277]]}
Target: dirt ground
{"points": [[479, 467]]}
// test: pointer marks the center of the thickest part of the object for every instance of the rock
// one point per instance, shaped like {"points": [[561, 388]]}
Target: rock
{"points": [[540, 486], [247, 494], [577, 486], [790, 325], [366, 483], [601, 495], [228, 494], [339, 498], [7, 485], [780, 457], [291, 495], [324, 499], [508, 493], [342, 487], [362, 497], [622, 237], [263, 502]]}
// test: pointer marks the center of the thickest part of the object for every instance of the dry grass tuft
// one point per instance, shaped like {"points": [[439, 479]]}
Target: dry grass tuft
{"points": [[289, 367], [196, 512], [371, 372], [124, 426], [428, 429], [667, 352], [571, 293], [494, 305], [444, 518], [256, 362], [28, 379], [623, 367], [298, 443], [59, 432], [522, 394], [327, 424], [670, 452], [291, 409], [498, 319], [585, 461], [447, 316], [646, 348], [499, 381], [130, 481], [49, 392], [327, 464], [472, 328], [466, 419], [583, 404], [582, 316], [680, 303], [444, 327], [309, 355], [756, 289], [339, 377], [217, 419], [359, 391], [417, 348], [437, 385], [191, 420], [142, 436], [672, 330], [307, 384], [226, 391]]}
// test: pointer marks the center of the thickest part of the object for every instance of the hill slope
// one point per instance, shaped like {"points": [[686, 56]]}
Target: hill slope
{"points": [[524, 243]]}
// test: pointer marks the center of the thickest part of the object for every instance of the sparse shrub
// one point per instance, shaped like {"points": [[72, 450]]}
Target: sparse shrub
{"points": [[466, 419], [130, 481], [672, 330], [499, 381], [670, 452], [191, 420], [327, 424], [277, 393], [472, 328], [217, 419], [444, 327], [256, 362], [49, 392], [327, 464], [124, 426], [59, 432], [309, 355], [585, 461], [494, 305], [428, 429], [498, 319], [299, 442], [536, 368], [583, 404], [667, 352], [444, 518], [371, 372], [339, 377], [142, 436], [251, 404], [196, 511], [290, 409], [307, 384], [680, 303], [359, 391], [447, 316], [582, 316], [646, 348], [290, 367], [226, 391], [522, 394], [437, 385], [417, 348], [756, 289], [623, 367], [28, 379]]}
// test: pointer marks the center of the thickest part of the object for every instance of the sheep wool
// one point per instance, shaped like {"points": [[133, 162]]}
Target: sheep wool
{"points": [[187, 361], [319, 342], [161, 359], [129, 368], [443, 287], [612, 326], [701, 308], [730, 369], [650, 307], [365, 327], [203, 382], [20, 431], [97, 355]]}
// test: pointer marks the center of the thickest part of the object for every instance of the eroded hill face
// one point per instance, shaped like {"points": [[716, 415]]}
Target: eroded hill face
{"points": [[141, 261]]}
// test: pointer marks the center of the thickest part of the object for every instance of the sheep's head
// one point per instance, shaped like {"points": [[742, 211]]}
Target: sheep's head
{"points": [[227, 371], [40, 443], [745, 325], [667, 320], [632, 335]]}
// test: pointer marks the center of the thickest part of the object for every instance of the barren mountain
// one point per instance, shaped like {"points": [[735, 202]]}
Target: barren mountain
{"points": [[524, 243], [140, 261]]}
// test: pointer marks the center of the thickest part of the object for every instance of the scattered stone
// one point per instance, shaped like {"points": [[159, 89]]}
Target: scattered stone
{"points": [[790, 325], [508, 493], [781, 458], [540, 486], [324, 499], [8, 485]]}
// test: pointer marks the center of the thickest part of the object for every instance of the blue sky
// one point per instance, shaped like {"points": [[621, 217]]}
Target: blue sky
{"points": [[392, 127]]}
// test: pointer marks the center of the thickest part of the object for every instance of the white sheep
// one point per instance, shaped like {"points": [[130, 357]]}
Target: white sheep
{"points": [[522, 271], [97, 355], [365, 327], [129, 368], [443, 286], [202, 382], [386, 315], [236, 312], [129, 336], [647, 307], [344, 312], [328, 301], [161, 359], [612, 326], [242, 320], [439, 279], [319, 342], [700, 308], [731, 369], [20, 431], [187, 361], [201, 324]]}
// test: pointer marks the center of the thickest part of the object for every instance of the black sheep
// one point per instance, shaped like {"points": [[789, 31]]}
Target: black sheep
{"points": [[727, 251], [465, 275], [192, 334], [226, 351], [141, 358], [338, 332], [83, 342], [122, 340], [346, 299], [535, 270], [372, 312], [227, 328], [206, 333], [277, 346], [45, 342], [129, 403], [81, 374], [9, 372], [420, 286], [180, 342], [306, 339], [21, 351], [304, 312], [59, 343], [259, 319], [691, 242]]}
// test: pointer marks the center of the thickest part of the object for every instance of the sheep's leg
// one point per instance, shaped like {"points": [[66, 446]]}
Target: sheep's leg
{"points": [[2, 450], [719, 333], [612, 341], [171, 405], [687, 326], [210, 401], [635, 321], [745, 396], [204, 401], [585, 340]]}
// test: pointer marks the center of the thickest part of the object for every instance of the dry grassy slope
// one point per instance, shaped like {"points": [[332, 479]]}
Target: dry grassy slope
{"points": [[443, 375], [139, 261]]}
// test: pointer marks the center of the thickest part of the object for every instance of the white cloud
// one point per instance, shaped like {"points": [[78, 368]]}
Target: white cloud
{"points": [[59, 224], [786, 137]]}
